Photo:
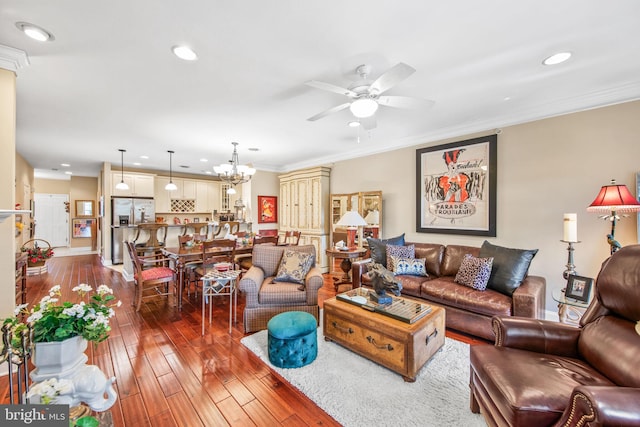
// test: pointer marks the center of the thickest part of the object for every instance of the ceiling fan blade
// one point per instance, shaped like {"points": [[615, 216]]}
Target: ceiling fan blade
{"points": [[392, 77], [329, 111], [405, 102], [331, 88], [369, 123]]}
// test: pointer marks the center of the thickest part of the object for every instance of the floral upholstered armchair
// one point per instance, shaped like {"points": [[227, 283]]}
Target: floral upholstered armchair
{"points": [[282, 278]]}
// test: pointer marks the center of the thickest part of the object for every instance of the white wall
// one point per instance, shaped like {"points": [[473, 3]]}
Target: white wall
{"points": [[545, 169]]}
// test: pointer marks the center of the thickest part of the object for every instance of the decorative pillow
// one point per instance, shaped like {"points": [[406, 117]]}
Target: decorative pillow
{"points": [[410, 266], [294, 267], [510, 266], [378, 248], [399, 252], [474, 272]]}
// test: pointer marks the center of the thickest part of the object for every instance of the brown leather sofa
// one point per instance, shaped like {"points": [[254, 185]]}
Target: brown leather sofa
{"points": [[542, 373], [467, 310]]}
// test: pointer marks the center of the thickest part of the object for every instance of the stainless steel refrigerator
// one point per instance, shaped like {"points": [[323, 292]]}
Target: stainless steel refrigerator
{"points": [[127, 211]]}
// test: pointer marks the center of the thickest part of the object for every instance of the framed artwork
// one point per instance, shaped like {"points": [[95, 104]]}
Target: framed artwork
{"points": [[267, 209], [82, 227], [84, 208], [578, 287], [456, 187]]}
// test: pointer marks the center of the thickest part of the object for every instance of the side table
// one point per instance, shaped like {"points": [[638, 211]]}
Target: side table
{"points": [[219, 283], [569, 310], [345, 265]]}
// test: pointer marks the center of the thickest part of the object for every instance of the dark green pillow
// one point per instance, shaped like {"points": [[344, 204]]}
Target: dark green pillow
{"points": [[510, 266], [378, 248]]}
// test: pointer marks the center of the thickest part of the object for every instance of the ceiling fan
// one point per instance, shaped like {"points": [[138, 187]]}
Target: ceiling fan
{"points": [[366, 95]]}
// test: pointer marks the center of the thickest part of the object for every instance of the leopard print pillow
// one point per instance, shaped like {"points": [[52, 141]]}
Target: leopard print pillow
{"points": [[399, 252], [474, 272]]}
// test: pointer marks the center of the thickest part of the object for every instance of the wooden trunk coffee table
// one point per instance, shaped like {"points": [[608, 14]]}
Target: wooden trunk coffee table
{"points": [[402, 337]]}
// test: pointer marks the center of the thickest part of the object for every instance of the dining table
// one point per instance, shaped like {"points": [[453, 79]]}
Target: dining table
{"points": [[181, 256]]}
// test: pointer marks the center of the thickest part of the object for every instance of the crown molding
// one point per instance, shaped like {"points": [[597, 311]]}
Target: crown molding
{"points": [[13, 59]]}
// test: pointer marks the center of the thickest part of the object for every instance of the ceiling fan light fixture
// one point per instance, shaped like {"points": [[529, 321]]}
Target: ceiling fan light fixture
{"points": [[363, 107]]}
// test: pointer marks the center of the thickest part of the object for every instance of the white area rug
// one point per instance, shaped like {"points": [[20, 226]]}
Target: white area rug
{"points": [[358, 392]]}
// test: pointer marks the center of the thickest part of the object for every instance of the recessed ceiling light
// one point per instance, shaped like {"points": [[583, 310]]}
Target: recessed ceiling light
{"points": [[35, 32], [185, 166], [144, 157], [184, 52], [354, 124], [68, 172], [254, 149], [207, 172], [204, 160], [557, 58], [65, 165], [137, 163]]}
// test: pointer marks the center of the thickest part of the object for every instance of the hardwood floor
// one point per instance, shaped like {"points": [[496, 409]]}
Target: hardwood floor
{"points": [[167, 373]]}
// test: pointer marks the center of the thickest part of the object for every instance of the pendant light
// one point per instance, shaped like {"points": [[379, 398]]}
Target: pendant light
{"points": [[170, 186], [122, 185]]}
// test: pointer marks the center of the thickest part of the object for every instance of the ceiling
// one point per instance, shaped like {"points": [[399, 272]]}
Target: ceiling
{"points": [[109, 79]]}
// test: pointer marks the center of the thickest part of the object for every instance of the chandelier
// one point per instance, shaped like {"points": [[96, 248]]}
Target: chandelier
{"points": [[232, 172]]}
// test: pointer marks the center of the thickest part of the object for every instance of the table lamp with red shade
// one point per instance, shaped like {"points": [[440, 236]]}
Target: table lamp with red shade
{"points": [[612, 200]]}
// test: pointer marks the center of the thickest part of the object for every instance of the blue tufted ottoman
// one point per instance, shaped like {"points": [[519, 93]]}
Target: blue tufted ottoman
{"points": [[293, 340]]}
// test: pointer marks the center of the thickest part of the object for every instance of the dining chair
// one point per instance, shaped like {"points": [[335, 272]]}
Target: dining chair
{"points": [[150, 276], [234, 227], [150, 238], [214, 252], [292, 238], [196, 228], [245, 261], [185, 242]]}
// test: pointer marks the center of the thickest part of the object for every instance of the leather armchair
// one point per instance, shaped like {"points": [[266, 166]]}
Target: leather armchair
{"points": [[543, 373], [266, 298]]}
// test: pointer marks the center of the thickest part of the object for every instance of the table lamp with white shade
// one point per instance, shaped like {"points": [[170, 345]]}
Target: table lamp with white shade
{"points": [[352, 220], [373, 222]]}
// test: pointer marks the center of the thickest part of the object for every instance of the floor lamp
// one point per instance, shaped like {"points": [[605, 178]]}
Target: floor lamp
{"points": [[614, 199]]}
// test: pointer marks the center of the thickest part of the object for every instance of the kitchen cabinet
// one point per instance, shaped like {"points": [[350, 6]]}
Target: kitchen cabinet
{"points": [[140, 185], [200, 196], [304, 206], [208, 196]]}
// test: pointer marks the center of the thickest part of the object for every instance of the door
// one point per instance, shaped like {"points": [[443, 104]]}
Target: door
{"points": [[52, 218]]}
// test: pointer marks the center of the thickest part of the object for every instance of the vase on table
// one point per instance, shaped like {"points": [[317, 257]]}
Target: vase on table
{"points": [[59, 359]]}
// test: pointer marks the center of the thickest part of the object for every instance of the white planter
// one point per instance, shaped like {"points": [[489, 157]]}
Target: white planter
{"points": [[58, 359]]}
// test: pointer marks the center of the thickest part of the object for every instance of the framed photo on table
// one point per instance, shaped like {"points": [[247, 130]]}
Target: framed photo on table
{"points": [[578, 287], [267, 209], [456, 187]]}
